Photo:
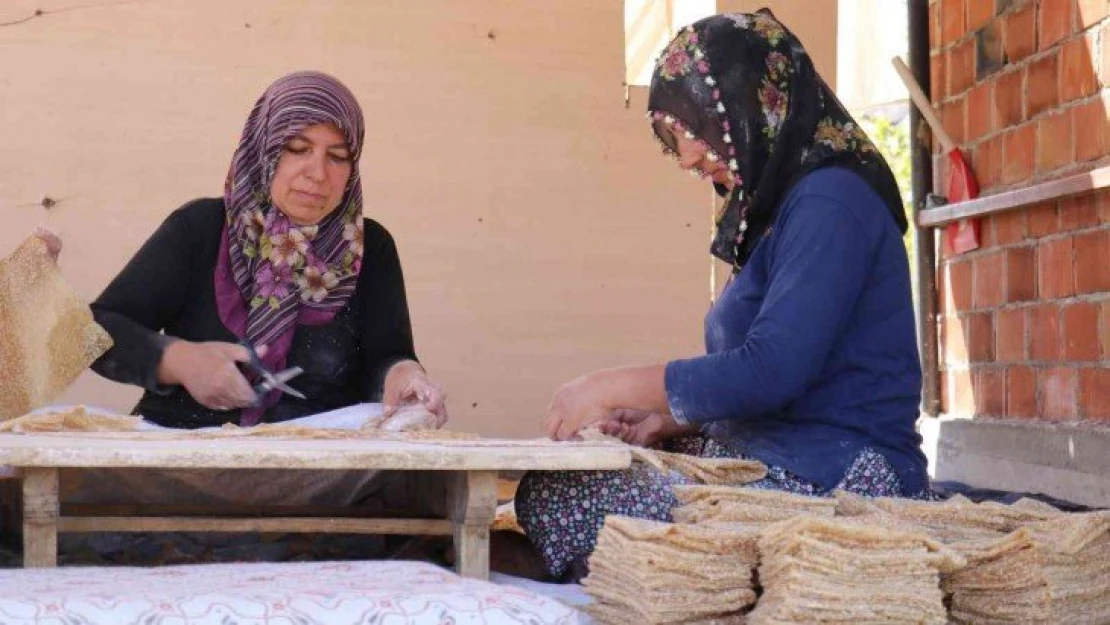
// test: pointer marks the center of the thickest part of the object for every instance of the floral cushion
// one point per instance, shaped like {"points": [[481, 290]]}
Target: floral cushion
{"points": [[382, 593]]}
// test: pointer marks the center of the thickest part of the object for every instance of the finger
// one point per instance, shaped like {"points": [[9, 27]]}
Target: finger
{"points": [[436, 400], [551, 423], [236, 352], [261, 350], [53, 242], [395, 395], [237, 392], [609, 428]]}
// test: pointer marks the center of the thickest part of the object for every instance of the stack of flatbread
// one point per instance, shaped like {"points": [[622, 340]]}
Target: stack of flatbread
{"points": [[716, 471], [958, 519], [1051, 571], [49, 336], [702, 504], [649, 572], [816, 569]]}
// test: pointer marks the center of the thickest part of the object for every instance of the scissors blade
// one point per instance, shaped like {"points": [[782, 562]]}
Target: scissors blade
{"points": [[278, 381]]}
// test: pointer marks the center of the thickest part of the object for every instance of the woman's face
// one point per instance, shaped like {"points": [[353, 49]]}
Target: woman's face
{"points": [[694, 156], [312, 173]]}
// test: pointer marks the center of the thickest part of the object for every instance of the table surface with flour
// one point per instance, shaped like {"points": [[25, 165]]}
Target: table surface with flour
{"points": [[470, 466]]}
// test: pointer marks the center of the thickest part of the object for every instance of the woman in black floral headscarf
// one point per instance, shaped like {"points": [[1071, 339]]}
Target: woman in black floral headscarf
{"points": [[811, 363]]}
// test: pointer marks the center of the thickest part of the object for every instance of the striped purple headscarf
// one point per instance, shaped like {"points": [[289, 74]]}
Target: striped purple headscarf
{"points": [[273, 274]]}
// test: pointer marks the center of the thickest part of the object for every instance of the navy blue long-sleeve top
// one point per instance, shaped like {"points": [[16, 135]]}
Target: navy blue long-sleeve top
{"points": [[811, 348]]}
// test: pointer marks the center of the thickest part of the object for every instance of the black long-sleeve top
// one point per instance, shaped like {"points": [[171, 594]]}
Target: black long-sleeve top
{"points": [[167, 291]]}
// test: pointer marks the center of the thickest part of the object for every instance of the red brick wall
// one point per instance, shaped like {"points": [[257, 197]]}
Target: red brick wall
{"points": [[1024, 87]]}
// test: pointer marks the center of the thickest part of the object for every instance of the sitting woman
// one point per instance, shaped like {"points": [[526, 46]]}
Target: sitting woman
{"points": [[812, 363], [284, 262]]}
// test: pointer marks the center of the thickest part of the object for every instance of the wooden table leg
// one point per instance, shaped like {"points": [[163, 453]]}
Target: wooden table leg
{"points": [[472, 501], [40, 517]]}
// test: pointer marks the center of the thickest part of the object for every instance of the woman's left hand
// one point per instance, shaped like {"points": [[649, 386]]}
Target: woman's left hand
{"points": [[406, 383], [576, 405]]}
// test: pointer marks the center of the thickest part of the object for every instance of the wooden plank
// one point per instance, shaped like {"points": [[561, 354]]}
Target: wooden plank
{"points": [[415, 527], [472, 503], [40, 517], [73, 450], [228, 510], [1018, 198]]}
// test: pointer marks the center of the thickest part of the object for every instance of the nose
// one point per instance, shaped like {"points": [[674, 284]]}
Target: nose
{"points": [[316, 169], [689, 161]]}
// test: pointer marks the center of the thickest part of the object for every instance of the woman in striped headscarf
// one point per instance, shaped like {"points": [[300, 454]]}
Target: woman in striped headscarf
{"points": [[285, 262]]}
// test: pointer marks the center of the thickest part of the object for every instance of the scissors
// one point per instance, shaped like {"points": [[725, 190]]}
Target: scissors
{"points": [[270, 380]]}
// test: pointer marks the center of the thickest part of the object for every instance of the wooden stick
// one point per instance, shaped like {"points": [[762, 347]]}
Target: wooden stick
{"points": [[922, 101], [416, 527], [40, 517], [472, 504]]}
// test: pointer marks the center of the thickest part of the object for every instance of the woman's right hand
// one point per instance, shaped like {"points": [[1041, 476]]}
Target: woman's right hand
{"points": [[209, 371]]}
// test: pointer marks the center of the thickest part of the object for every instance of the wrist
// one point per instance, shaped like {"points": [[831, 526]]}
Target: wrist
{"points": [[168, 365], [403, 366]]}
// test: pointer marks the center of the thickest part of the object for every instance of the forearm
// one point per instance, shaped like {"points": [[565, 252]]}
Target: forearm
{"points": [[636, 387]]}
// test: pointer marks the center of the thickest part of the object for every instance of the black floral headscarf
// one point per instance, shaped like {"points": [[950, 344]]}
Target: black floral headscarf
{"points": [[744, 87]]}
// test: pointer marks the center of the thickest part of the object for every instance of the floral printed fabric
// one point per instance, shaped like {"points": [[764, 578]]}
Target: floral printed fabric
{"points": [[386, 593], [743, 86], [562, 511]]}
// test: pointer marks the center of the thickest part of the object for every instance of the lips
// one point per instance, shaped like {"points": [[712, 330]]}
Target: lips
{"points": [[317, 197]]}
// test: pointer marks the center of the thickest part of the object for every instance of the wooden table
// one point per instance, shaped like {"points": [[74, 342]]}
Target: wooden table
{"points": [[471, 492]]}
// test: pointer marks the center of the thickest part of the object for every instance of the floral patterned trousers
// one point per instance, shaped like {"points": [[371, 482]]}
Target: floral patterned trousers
{"points": [[562, 511]]}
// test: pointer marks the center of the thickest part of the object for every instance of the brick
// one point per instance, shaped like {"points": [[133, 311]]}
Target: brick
{"points": [[1090, 12], [1044, 333], [979, 112], [1009, 331], [961, 398], [990, 54], [1094, 393], [1019, 150], [1078, 212], [954, 118], [1041, 78], [1056, 390], [990, 392], [989, 288], [1043, 220], [1092, 262], [1055, 144], [1021, 275], [1055, 21], [1009, 227], [938, 77], [979, 14], [961, 67], [1104, 73], [1092, 128], [980, 337], [1078, 73], [1021, 392], [934, 26], [1104, 330], [1080, 323], [1007, 99], [986, 160], [953, 21], [1055, 271], [958, 295], [1019, 33], [953, 341]]}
